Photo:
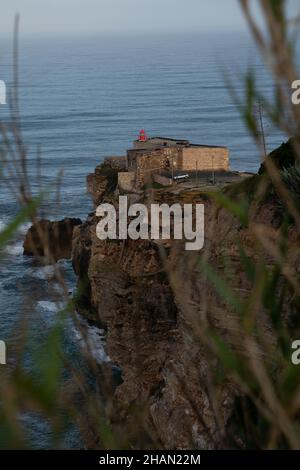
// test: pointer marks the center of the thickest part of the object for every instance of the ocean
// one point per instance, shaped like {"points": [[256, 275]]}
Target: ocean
{"points": [[86, 98]]}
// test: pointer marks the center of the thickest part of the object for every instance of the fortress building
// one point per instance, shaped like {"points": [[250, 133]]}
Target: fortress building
{"points": [[168, 160], [156, 154]]}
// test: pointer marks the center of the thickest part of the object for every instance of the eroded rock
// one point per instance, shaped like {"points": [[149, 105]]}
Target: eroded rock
{"points": [[52, 240]]}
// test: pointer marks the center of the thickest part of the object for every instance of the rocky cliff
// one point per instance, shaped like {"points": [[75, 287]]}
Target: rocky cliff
{"points": [[154, 302], [50, 239]]}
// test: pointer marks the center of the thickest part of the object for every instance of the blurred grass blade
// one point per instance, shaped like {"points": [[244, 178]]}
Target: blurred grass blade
{"points": [[238, 209], [20, 219], [221, 286]]}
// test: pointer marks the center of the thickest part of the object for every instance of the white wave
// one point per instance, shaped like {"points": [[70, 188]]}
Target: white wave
{"points": [[22, 229], [49, 306], [49, 311], [15, 249], [45, 273], [91, 338], [3, 223]]}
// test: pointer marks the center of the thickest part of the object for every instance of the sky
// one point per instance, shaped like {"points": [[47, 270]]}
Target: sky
{"points": [[76, 17], [120, 16]]}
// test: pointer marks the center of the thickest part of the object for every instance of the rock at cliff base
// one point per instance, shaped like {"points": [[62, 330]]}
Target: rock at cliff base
{"points": [[51, 239]]}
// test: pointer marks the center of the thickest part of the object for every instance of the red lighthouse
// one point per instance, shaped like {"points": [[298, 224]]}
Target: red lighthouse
{"points": [[143, 136]]}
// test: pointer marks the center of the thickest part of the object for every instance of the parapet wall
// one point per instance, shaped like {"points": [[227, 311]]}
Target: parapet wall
{"points": [[204, 159], [155, 142]]}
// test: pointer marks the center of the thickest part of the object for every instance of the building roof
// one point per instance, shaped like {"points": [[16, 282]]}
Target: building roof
{"points": [[209, 146], [168, 138], [182, 142], [171, 139]]}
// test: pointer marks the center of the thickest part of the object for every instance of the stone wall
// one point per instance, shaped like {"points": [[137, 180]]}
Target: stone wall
{"points": [[145, 162], [204, 159], [155, 160], [117, 163], [131, 159], [126, 181]]}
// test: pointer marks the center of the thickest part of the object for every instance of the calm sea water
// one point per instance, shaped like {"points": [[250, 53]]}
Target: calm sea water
{"points": [[83, 99]]}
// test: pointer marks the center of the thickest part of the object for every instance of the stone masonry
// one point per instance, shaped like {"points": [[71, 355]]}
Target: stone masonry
{"points": [[176, 155]]}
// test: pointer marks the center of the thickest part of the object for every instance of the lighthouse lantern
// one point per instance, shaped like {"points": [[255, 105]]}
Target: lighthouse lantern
{"points": [[143, 136]]}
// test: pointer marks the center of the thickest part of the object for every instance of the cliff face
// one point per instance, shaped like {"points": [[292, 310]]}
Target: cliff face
{"points": [[154, 312], [52, 240]]}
